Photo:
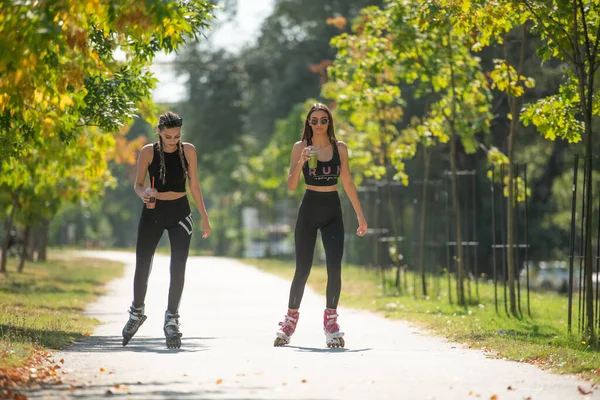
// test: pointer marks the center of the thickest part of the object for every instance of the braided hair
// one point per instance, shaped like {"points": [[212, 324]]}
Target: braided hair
{"points": [[166, 119]]}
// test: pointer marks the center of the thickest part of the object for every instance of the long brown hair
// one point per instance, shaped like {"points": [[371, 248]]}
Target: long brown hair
{"points": [[308, 133], [168, 117]]}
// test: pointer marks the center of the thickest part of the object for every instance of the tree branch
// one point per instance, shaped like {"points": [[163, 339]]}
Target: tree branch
{"points": [[552, 36]]}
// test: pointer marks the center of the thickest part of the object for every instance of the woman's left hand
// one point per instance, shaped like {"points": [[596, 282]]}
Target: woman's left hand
{"points": [[362, 227], [205, 228]]}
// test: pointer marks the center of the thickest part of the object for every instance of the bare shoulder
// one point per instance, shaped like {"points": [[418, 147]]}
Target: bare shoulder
{"points": [[149, 148], [147, 152], [189, 148], [342, 146], [299, 145]]}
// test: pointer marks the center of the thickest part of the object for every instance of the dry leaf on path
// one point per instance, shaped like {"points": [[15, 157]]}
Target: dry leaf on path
{"points": [[584, 391]]}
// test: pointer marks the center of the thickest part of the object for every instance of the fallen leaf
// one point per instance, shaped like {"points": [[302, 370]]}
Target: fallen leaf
{"points": [[510, 388], [185, 374], [528, 398], [219, 381], [62, 360], [303, 380], [470, 393], [284, 384], [102, 370], [584, 391], [494, 397]]}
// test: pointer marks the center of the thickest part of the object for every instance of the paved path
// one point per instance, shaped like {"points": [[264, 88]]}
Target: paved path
{"points": [[229, 316]]}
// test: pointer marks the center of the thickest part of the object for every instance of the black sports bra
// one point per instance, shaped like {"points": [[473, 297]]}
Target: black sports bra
{"points": [[326, 173], [175, 175]]}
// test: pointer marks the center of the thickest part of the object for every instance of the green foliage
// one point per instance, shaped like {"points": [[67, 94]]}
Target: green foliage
{"points": [[66, 93], [554, 116], [67, 48], [399, 44]]}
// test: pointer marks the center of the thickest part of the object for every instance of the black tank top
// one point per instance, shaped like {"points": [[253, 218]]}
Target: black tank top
{"points": [[175, 176], [326, 173]]}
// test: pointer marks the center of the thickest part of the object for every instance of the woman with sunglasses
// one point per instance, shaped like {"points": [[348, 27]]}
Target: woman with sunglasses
{"points": [[320, 210], [168, 162]]}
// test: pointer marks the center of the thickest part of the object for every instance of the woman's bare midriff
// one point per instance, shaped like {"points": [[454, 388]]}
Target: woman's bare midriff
{"points": [[322, 188], [169, 195]]}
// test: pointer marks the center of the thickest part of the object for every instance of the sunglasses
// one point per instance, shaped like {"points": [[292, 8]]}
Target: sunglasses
{"points": [[173, 123], [324, 121]]}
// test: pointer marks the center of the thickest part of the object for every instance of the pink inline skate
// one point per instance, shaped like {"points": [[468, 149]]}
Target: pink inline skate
{"points": [[288, 326], [333, 336]]}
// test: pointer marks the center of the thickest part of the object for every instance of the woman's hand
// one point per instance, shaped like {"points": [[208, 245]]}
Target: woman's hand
{"points": [[362, 227], [205, 228], [305, 155], [146, 194]]}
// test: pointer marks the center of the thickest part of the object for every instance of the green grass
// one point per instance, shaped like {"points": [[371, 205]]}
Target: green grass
{"points": [[43, 306], [541, 339]]}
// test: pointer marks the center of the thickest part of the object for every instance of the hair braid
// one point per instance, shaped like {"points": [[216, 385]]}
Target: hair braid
{"points": [[182, 158], [163, 166]]}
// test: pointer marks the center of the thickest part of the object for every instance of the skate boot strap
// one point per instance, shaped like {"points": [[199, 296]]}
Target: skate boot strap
{"points": [[135, 315], [289, 320], [172, 322], [332, 322], [171, 319]]}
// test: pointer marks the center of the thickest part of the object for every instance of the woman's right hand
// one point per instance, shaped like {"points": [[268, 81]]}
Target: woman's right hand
{"points": [[305, 155], [146, 194]]}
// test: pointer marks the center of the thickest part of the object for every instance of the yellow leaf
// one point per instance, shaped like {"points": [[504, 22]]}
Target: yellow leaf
{"points": [[18, 76], [65, 101]]}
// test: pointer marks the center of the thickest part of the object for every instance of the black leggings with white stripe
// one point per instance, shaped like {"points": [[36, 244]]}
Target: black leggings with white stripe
{"points": [[174, 216]]}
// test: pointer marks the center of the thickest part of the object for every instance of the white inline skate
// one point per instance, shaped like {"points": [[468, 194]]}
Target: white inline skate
{"points": [[333, 336], [171, 330], [288, 327], [136, 319]]}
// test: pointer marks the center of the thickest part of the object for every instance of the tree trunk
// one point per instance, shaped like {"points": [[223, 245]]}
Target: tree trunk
{"points": [[7, 228], [42, 245], [510, 229], [588, 269], [423, 222], [26, 239], [460, 284]]}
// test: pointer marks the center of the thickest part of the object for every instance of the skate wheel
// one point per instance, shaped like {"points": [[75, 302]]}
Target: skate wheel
{"points": [[280, 342], [337, 343], [174, 343]]}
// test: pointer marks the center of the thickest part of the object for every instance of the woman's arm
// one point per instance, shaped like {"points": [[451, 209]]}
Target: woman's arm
{"points": [[190, 154], [350, 189], [144, 160], [299, 157]]}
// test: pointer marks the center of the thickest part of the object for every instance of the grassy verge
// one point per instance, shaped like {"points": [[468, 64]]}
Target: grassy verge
{"points": [[541, 339], [42, 309]]}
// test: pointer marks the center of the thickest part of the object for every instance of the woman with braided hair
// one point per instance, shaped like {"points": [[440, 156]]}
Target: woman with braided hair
{"points": [[168, 162]]}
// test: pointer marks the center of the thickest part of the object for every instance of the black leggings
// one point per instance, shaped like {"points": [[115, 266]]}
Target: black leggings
{"points": [[319, 210], [176, 218]]}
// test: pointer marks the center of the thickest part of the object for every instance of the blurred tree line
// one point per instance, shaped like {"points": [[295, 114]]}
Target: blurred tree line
{"points": [[244, 111]]}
